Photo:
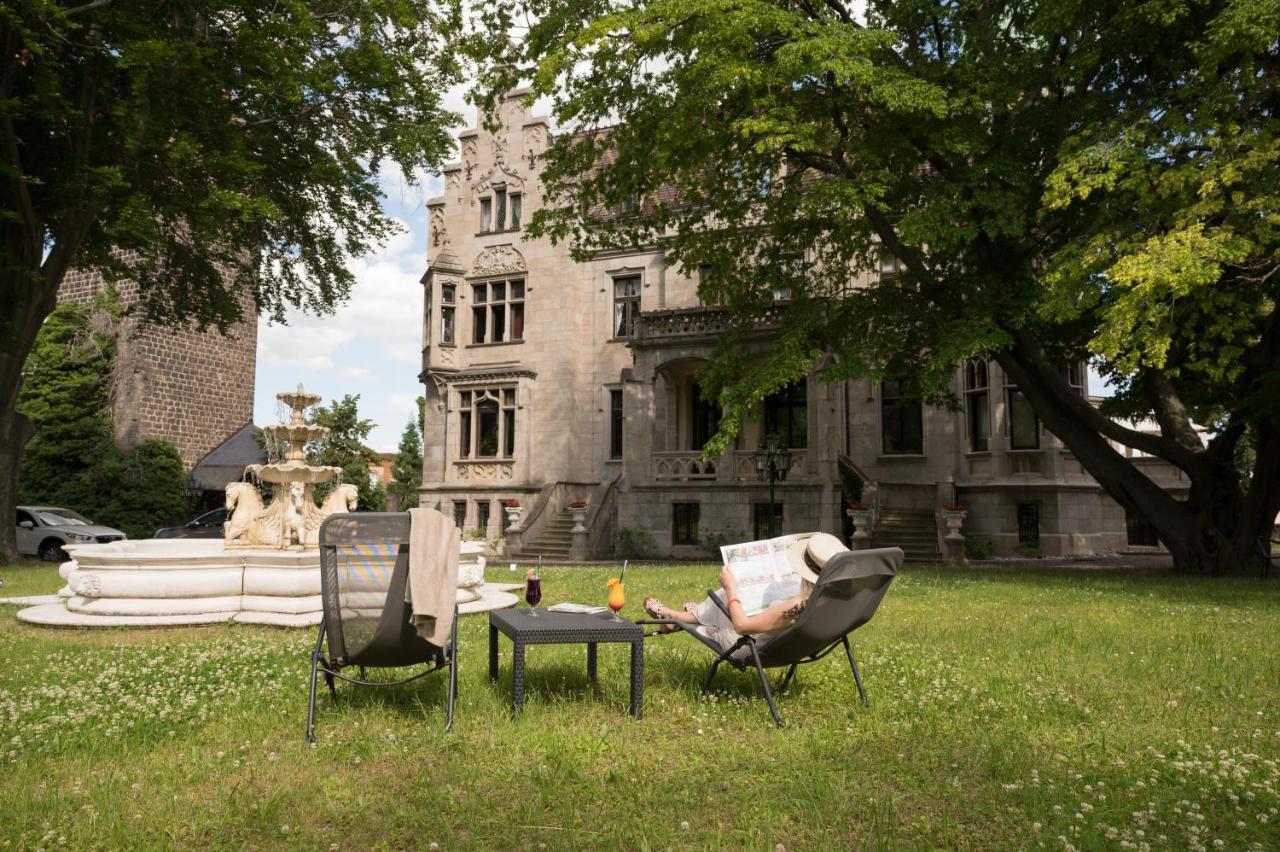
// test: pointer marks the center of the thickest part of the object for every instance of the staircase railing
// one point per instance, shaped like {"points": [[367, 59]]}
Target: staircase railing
{"points": [[551, 500], [600, 518]]}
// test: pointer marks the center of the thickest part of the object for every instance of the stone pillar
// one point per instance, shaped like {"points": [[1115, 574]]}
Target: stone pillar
{"points": [[578, 547], [513, 538], [953, 541]]}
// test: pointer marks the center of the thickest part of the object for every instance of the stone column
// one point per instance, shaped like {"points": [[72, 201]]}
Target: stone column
{"points": [[578, 547]]}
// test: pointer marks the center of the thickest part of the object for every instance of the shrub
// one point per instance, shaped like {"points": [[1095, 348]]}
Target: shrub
{"points": [[141, 489], [979, 549], [633, 543]]}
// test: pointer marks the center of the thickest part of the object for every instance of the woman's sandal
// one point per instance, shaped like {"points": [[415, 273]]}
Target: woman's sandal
{"points": [[655, 608]]}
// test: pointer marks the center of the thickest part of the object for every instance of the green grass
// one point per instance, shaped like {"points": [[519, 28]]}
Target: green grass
{"points": [[1009, 709]]}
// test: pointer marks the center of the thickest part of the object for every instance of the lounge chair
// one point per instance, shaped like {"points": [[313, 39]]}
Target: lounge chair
{"points": [[364, 564], [847, 593]]}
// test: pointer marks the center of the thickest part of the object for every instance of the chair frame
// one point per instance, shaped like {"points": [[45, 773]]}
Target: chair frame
{"points": [[749, 642], [331, 668], [739, 661]]}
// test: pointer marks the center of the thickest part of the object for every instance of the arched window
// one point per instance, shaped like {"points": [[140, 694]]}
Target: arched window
{"points": [[977, 400], [487, 423]]}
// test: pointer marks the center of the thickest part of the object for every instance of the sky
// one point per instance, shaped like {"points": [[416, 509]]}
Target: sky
{"points": [[372, 344]]}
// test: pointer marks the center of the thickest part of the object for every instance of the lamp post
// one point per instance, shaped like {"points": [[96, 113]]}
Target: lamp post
{"points": [[772, 461]]}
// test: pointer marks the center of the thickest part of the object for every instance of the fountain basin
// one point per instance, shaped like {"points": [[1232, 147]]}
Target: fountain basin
{"points": [[161, 582]]}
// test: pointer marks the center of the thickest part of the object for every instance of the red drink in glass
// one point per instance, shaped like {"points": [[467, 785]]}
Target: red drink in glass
{"points": [[532, 591]]}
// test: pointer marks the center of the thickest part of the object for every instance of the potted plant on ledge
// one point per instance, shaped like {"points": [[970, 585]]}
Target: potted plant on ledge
{"points": [[954, 516], [513, 510], [578, 508], [860, 514]]}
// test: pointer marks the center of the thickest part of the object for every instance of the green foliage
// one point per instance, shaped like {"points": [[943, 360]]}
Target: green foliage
{"points": [[406, 473], [978, 549], [345, 447], [66, 391], [72, 461], [140, 489], [1062, 181], [633, 543], [201, 135]]}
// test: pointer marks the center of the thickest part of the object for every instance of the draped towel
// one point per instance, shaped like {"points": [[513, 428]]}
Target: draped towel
{"points": [[432, 587]]}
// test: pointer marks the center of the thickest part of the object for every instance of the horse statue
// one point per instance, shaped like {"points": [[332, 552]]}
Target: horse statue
{"points": [[341, 499], [244, 513]]}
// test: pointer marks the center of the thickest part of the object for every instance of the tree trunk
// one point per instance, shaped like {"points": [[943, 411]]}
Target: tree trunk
{"points": [[28, 302], [15, 430], [1217, 531]]}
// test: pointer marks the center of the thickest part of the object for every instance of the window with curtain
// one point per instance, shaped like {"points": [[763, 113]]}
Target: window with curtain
{"points": [[497, 311], [1024, 424], [626, 305]]}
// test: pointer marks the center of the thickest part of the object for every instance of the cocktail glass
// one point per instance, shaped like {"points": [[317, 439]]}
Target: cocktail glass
{"points": [[617, 597]]}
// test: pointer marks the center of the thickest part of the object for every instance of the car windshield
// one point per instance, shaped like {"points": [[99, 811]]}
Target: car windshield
{"points": [[62, 518]]}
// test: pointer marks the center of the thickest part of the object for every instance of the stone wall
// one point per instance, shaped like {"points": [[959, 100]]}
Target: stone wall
{"points": [[192, 388]]}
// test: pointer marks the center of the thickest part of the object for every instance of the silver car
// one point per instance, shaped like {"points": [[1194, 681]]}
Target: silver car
{"points": [[44, 530]]}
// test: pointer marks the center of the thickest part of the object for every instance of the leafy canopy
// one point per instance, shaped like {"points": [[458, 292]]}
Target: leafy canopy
{"points": [[1082, 179], [168, 140], [345, 447]]}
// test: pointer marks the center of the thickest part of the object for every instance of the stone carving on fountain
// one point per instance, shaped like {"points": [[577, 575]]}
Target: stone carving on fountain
{"points": [[293, 519], [265, 571]]}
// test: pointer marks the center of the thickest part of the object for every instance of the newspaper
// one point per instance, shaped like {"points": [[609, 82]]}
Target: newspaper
{"points": [[764, 575]]}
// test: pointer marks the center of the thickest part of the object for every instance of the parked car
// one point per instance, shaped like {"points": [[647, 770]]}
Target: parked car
{"points": [[208, 525], [44, 530]]}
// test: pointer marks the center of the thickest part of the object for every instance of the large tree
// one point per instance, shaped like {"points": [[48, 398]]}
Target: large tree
{"points": [[205, 150], [1060, 180]]}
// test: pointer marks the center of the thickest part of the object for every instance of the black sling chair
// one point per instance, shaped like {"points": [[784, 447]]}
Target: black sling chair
{"points": [[849, 589], [364, 565]]}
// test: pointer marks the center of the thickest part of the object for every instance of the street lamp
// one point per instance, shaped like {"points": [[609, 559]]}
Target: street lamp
{"points": [[772, 462]]}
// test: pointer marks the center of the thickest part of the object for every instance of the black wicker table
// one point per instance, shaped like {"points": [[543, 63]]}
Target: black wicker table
{"points": [[562, 628]]}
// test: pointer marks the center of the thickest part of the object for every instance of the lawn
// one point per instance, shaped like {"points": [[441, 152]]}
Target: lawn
{"points": [[1009, 709]]}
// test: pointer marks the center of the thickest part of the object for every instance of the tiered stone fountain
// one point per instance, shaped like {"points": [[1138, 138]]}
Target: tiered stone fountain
{"points": [[265, 571]]}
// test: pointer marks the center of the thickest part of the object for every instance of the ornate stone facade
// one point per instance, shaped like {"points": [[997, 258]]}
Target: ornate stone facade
{"points": [[192, 388], [593, 395]]}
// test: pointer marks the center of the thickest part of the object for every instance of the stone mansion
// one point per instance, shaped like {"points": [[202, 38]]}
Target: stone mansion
{"points": [[550, 380]]}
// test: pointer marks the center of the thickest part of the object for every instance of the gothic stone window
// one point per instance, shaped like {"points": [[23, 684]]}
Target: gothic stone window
{"points": [[977, 400], [901, 420], [487, 423], [1024, 424], [786, 413], [448, 305], [497, 311], [626, 305], [501, 211]]}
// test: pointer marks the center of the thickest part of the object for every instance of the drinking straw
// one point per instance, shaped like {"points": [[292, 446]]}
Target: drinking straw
{"points": [[623, 575]]}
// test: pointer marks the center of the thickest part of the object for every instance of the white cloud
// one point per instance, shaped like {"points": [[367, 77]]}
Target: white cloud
{"points": [[355, 373]]}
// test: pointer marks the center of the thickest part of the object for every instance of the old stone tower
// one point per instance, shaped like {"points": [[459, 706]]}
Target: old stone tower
{"points": [[192, 388]]}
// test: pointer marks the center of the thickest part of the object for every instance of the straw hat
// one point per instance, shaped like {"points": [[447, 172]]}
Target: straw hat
{"points": [[809, 553]]}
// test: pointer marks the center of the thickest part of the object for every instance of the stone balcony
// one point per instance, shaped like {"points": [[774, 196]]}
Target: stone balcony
{"points": [[684, 325], [735, 466]]}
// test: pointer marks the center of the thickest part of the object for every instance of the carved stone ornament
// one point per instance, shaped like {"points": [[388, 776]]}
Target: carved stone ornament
{"points": [[483, 471], [499, 174], [498, 260], [535, 142], [439, 235], [499, 148], [452, 182], [469, 157]]}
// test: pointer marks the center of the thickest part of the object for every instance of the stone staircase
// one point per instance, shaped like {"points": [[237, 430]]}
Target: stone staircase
{"points": [[914, 530], [554, 539]]}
